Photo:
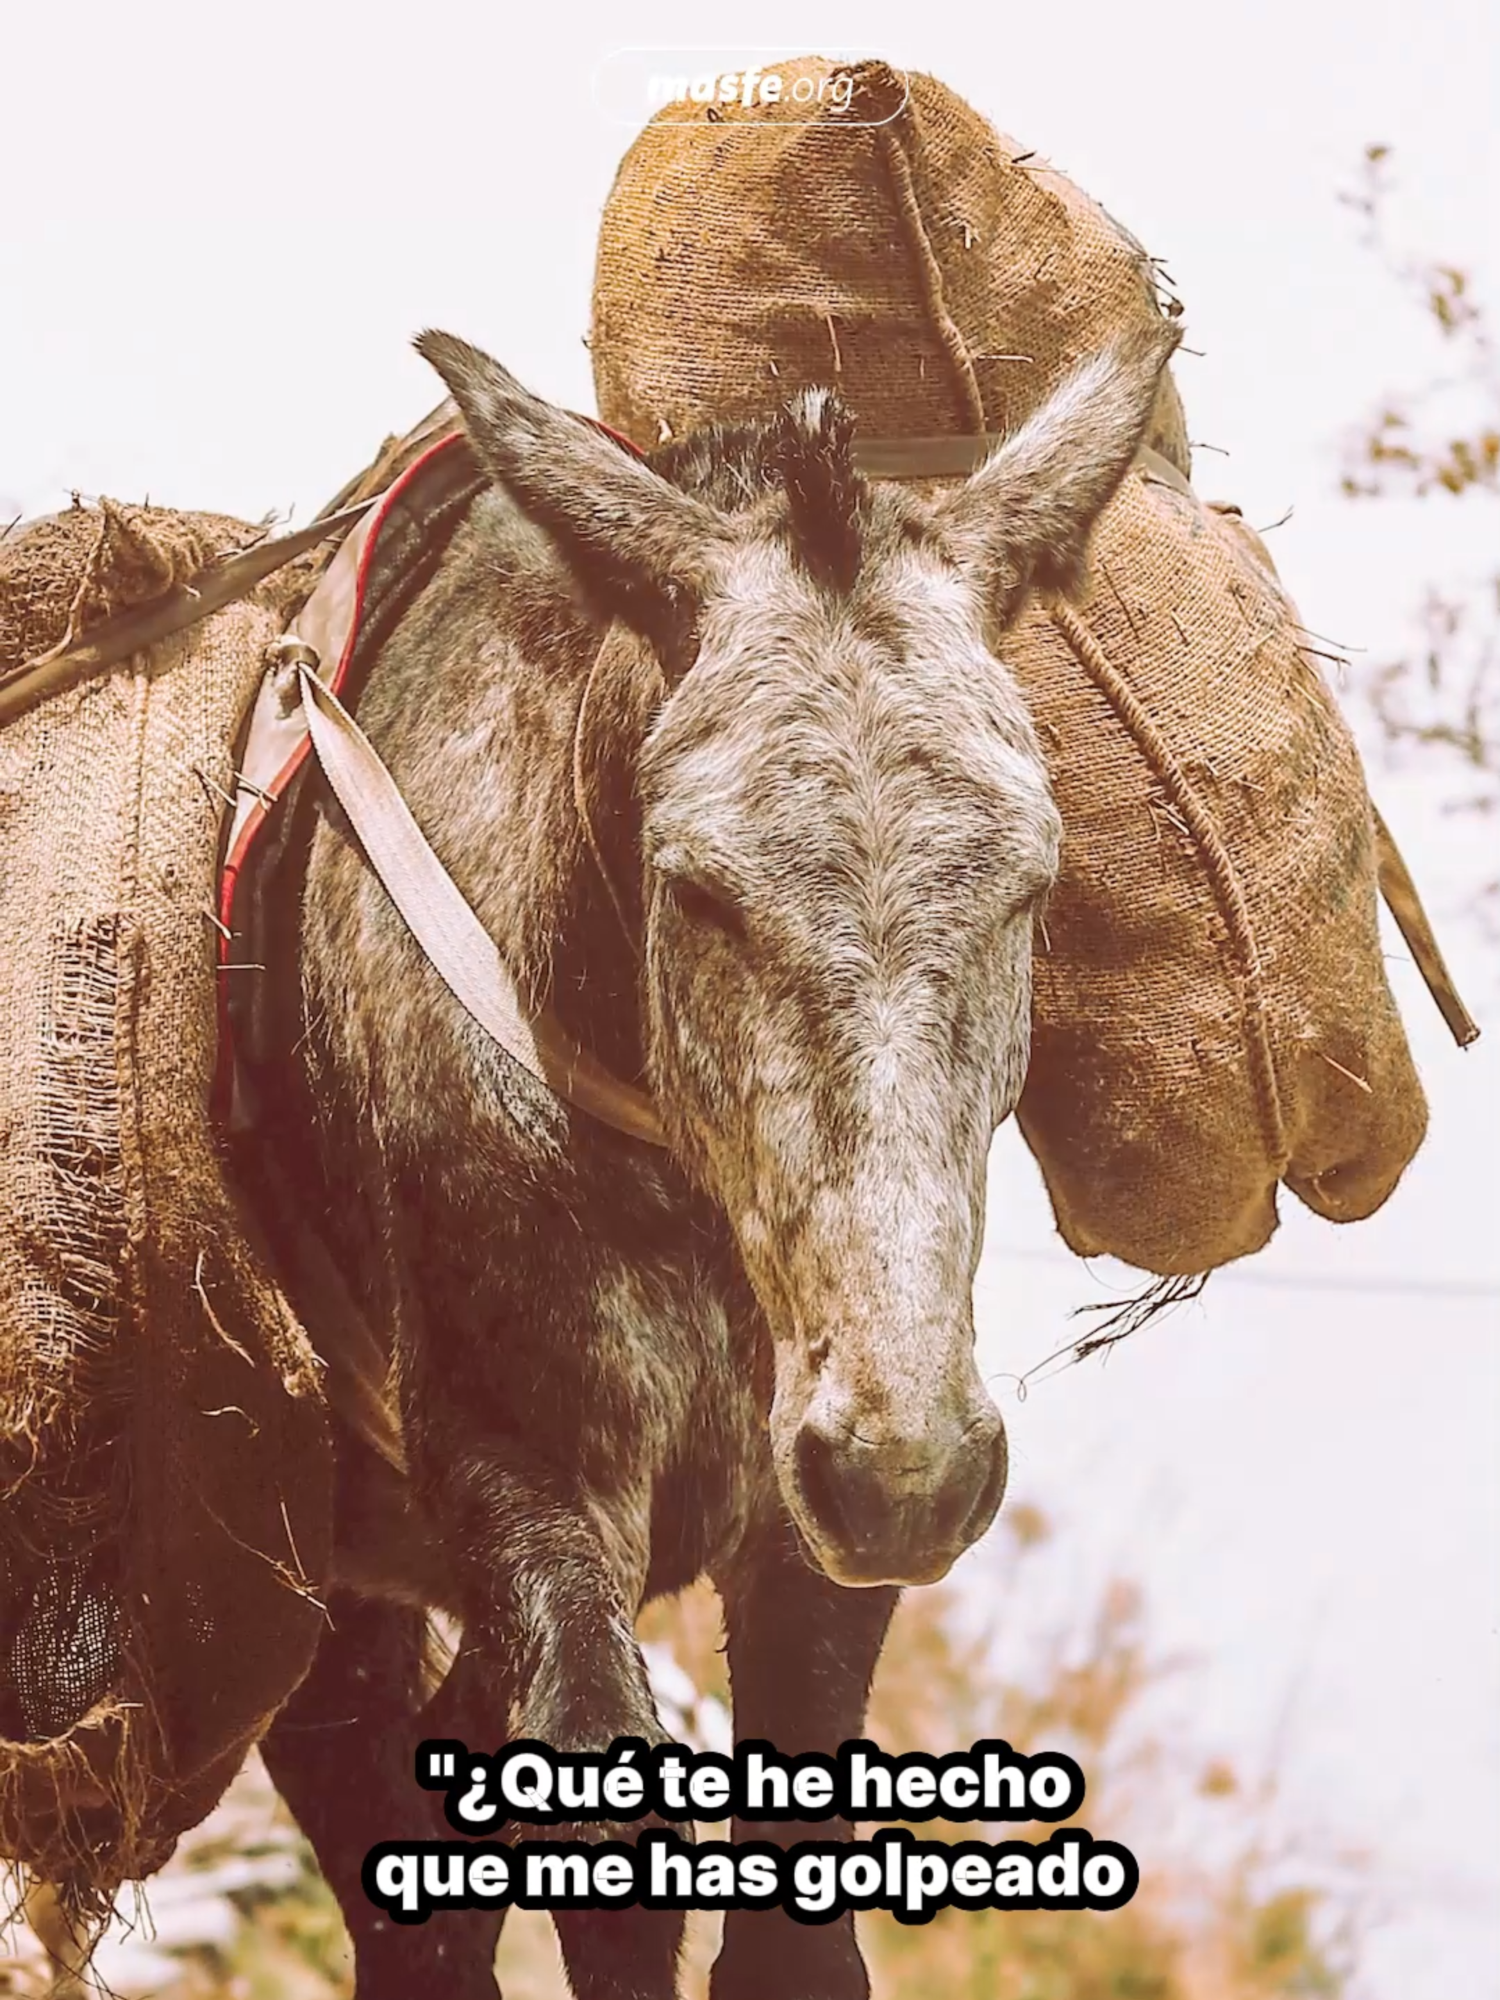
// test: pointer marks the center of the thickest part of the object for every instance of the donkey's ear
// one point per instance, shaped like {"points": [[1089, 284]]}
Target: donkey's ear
{"points": [[1022, 521], [639, 549]]}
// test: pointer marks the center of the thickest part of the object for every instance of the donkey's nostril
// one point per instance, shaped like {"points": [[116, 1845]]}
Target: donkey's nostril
{"points": [[993, 1455], [900, 1511], [818, 1457]]}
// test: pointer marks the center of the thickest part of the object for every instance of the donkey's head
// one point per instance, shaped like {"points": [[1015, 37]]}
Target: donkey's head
{"points": [[847, 831]]}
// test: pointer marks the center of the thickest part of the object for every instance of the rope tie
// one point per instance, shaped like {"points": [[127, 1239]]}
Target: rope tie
{"points": [[929, 274], [1212, 853]]}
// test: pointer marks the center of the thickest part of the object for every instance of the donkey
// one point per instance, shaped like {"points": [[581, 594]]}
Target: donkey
{"points": [[792, 894]]}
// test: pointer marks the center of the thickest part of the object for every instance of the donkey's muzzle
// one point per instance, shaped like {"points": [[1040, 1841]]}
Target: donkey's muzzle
{"points": [[900, 1510]]}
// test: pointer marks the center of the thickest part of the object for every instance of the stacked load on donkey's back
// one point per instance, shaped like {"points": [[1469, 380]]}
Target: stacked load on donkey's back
{"points": [[1211, 1010], [748, 1352], [728, 770], [161, 1438]]}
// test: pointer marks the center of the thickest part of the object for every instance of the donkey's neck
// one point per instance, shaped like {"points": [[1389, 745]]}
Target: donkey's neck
{"points": [[472, 703]]}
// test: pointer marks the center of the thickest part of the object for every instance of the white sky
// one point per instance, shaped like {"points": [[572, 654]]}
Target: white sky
{"points": [[219, 231]]}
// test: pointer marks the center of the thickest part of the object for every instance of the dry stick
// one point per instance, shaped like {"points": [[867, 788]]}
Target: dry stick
{"points": [[131, 631], [213, 1318], [256, 791], [1135, 631], [234, 1410], [1358, 1081], [298, 1585], [286, 1522], [1405, 905], [1342, 644], [211, 785]]}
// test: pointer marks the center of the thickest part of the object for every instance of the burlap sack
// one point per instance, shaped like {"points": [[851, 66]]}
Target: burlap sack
{"points": [[1211, 1012], [161, 1428], [942, 276]]}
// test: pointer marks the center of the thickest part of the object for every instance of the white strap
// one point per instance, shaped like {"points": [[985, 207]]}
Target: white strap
{"points": [[446, 927]]}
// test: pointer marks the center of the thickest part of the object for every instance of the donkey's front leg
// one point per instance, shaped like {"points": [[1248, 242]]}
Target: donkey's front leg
{"points": [[340, 1753], [547, 1591], [549, 1635], [802, 1654]]}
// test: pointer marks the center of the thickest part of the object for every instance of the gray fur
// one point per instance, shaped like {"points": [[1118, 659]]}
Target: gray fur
{"points": [[828, 830]]}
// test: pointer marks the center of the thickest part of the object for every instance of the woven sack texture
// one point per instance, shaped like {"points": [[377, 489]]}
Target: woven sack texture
{"points": [[1211, 1011], [939, 274], [162, 1455]]}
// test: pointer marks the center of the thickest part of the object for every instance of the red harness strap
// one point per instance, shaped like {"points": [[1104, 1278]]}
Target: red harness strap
{"points": [[277, 745]]}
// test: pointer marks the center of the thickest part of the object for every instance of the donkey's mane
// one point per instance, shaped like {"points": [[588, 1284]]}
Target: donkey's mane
{"points": [[804, 449]]}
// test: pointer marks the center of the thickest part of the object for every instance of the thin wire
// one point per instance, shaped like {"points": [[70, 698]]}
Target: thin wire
{"points": [[1423, 1288]]}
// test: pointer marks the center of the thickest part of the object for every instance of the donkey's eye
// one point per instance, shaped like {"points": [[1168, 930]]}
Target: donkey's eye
{"points": [[708, 907]]}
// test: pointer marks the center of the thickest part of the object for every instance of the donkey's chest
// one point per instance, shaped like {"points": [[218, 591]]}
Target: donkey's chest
{"points": [[637, 1385], [629, 1373], [669, 1384], [700, 1365]]}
